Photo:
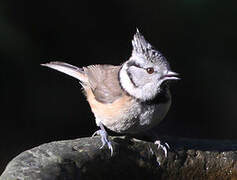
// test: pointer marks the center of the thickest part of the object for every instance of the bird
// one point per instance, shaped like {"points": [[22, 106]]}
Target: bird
{"points": [[129, 98]]}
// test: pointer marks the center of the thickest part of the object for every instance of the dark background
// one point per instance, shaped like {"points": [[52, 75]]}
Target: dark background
{"points": [[40, 105]]}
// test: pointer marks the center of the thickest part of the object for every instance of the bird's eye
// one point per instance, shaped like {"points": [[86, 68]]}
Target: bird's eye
{"points": [[150, 70]]}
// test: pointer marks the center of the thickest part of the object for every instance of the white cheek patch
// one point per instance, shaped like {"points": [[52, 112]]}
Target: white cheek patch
{"points": [[137, 76], [146, 92]]}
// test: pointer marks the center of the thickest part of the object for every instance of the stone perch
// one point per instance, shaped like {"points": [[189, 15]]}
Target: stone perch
{"points": [[81, 159]]}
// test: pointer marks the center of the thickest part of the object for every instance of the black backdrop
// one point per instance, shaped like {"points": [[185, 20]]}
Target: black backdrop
{"points": [[40, 105]]}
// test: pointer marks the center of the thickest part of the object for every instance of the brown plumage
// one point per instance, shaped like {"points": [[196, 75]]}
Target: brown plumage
{"points": [[103, 81]]}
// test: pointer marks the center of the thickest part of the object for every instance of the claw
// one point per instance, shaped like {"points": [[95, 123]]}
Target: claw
{"points": [[163, 147], [104, 138]]}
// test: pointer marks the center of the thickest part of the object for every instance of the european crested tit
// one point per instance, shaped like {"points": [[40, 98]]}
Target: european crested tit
{"points": [[130, 98]]}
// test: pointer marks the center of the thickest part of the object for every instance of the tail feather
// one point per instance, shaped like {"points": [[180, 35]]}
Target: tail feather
{"points": [[68, 69]]}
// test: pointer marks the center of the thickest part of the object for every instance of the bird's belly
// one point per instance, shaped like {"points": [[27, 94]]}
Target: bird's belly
{"points": [[139, 118]]}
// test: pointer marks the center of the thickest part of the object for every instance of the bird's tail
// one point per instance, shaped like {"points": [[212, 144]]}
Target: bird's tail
{"points": [[68, 69]]}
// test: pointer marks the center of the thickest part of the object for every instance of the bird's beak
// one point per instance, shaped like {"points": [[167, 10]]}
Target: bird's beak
{"points": [[170, 75]]}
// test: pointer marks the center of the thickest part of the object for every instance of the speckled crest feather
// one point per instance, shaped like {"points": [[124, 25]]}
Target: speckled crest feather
{"points": [[142, 47]]}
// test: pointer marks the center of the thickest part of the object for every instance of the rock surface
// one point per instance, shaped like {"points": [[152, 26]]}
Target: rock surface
{"points": [[83, 159]]}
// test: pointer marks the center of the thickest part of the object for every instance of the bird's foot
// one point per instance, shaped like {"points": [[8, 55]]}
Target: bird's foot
{"points": [[104, 138], [165, 146]]}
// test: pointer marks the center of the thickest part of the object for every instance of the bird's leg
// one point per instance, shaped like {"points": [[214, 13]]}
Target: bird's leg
{"points": [[104, 138], [165, 146]]}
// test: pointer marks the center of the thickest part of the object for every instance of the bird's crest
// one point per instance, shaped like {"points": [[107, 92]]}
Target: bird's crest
{"points": [[142, 47]]}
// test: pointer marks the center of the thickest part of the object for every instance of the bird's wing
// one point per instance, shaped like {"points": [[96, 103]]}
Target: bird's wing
{"points": [[104, 82], [102, 79]]}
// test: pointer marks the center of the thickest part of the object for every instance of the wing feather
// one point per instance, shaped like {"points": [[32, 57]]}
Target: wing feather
{"points": [[103, 80], [68, 69]]}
